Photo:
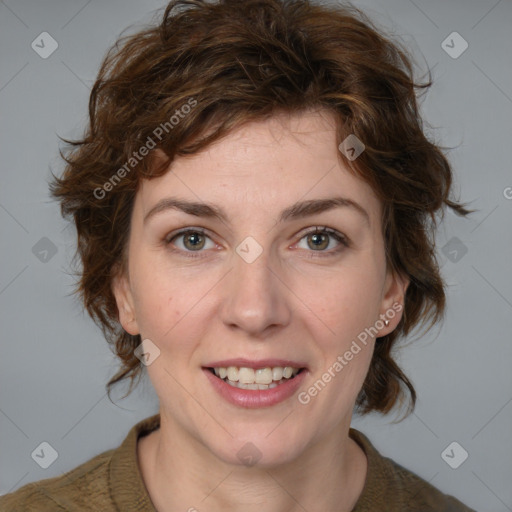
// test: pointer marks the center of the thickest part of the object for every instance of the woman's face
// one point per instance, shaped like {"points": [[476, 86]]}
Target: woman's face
{"points": [[251, 285]]}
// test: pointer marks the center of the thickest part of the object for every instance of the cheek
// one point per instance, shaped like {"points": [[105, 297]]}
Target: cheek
{"points": [[347, 302], [170, 303]]}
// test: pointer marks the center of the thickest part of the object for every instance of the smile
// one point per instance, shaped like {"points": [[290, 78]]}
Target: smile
{"points": [[255, 378]]}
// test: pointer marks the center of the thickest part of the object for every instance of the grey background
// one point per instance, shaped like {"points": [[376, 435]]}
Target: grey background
{"points": [[54, 361]]}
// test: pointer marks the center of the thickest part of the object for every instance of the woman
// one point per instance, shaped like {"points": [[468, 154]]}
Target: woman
{"points": [[254, 201]]}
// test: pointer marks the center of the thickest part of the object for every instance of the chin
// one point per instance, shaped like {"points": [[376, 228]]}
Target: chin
{"points": [[260, 449]]}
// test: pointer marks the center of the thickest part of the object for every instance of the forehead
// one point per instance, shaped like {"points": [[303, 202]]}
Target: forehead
{"points": [[268, 164]]}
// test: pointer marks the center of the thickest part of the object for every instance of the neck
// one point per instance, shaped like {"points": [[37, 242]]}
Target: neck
{"points": [[180, 473]]}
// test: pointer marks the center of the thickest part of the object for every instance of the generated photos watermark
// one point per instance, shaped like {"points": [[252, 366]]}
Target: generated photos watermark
{"points": [[363, 337], [137, 156]]}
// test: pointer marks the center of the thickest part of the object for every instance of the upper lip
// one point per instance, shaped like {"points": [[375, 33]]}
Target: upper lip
{"points": [[260, 363]]}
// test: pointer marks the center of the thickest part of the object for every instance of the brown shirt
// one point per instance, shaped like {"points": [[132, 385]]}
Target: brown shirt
{"points": [[111, 482]]}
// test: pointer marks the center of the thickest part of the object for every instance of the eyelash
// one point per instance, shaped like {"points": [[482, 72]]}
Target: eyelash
{"points": [[344, 243]]}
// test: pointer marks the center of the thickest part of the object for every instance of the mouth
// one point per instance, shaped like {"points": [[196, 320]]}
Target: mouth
{"points": [[253, 383], [261, 379]]}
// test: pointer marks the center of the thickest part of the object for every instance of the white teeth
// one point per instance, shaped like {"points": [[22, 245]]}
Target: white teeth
{"points": [[246, 376], [252, 386], [261, 378], [277, 373], [287, 372], [232, 373]]}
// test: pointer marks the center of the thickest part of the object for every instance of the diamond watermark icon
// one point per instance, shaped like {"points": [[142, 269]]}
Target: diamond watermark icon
{"points": [[44, 250], [454, 45], [249, 250], [249, 454], [44, 45], [454, 455], [351, 147], [44, 455], [454, 249], [147, 352]]}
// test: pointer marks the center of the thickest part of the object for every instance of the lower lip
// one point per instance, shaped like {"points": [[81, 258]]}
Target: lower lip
{"points": [[255, 398]]}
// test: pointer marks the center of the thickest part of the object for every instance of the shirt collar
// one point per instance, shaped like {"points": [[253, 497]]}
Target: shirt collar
{"points": [[130, 494]]}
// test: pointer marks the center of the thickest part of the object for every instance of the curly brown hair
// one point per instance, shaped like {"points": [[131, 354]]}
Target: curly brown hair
{"points": [[236, 61]]}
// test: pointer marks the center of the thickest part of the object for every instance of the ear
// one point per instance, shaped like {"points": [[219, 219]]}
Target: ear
{"points": [[393, 301], [125, 303]]}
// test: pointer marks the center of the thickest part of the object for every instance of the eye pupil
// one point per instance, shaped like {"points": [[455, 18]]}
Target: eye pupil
{"points": [[196, 239], [321, 239]]}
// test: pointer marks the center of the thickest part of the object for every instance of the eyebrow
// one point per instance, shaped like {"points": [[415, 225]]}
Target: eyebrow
{"points": [[298, 210]]}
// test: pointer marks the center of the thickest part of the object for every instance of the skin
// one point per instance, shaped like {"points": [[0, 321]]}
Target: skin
{"points": [[294, 301]]}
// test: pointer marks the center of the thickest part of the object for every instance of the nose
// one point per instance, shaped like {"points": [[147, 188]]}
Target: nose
{"points": [[256, 299]]}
